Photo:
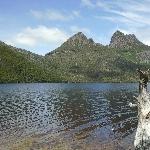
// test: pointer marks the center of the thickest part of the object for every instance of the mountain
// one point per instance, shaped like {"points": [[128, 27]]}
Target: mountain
{"points": [[77, 41], [80, 59], [17, 65], [120, 40]]}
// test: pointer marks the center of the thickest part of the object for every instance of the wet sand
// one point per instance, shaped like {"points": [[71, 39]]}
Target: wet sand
{"points": [[58, 142]]}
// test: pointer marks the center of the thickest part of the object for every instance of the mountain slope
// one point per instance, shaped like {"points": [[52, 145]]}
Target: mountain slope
{"points": [[17, 65], [82, 60]]}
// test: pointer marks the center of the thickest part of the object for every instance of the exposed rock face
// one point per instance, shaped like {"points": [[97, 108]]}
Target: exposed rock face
{"points": [[120, 40], [144, 56], [80, 39], [76, 42]]}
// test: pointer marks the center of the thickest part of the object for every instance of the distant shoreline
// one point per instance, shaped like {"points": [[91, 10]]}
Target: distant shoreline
{"points": [[64, 82]]}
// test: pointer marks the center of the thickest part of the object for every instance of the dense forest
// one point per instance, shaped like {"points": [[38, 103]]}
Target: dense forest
{"points": [[19, 66]]}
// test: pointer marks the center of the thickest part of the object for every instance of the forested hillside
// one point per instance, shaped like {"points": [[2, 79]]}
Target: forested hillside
{"points": [[17, 65], [83, 60]]}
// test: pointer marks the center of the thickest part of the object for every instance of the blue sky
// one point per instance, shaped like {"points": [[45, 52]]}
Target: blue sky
{"points": [[42, 25]]}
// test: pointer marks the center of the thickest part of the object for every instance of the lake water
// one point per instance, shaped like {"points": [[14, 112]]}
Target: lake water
{"points": [[76, 116]]}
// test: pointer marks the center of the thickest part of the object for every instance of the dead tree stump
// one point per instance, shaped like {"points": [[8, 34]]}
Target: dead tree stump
{"points": [[142, 137]]}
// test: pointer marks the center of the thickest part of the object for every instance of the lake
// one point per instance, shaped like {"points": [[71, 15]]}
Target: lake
{"points": [[61, 116]]}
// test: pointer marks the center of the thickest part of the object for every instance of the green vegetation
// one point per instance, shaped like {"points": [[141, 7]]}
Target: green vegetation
{"points": [[17, 66], [83, 61], [77, 60]]}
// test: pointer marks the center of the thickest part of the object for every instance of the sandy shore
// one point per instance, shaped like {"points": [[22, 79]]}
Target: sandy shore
{"points": [[57, 142]]}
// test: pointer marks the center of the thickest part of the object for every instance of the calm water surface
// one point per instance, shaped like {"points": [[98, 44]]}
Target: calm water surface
{"points": [[87, 113]]}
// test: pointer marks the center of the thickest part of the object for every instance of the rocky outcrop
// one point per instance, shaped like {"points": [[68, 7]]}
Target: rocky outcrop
{"points": [[144, 57], [120, 40], [80, 39]]}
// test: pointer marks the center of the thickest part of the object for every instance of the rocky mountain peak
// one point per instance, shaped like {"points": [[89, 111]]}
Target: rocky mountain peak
{"points": [[132, 37], [118, 33], [79, 39], [121, 40], [78, 36]]}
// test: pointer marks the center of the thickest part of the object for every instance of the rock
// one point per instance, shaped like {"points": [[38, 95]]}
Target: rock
{"points": [[144, 57], [120, 40], [79, 39]]}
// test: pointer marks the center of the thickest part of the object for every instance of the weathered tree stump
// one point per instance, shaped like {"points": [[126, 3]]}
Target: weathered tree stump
{"points": [[142, 138]]}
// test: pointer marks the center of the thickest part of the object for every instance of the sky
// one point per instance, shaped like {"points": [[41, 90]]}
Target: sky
{"points": [[40, 26]]}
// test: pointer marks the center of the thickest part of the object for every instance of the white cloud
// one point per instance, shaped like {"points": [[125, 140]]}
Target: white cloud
{"points": [[76, 13], [55, 15], [120, 19], [132, 12], [87, 3], [32, 37]]}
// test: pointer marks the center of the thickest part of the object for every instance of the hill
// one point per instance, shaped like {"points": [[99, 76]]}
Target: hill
{"points": [[17, 65]]}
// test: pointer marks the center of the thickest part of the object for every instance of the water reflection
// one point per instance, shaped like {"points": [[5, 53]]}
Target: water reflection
{"points": [[82, 111]]}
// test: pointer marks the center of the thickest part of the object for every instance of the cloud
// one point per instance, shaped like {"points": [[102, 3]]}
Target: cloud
{"points": [[32, 37], [76, 13], [132, 13], [54, 15], [119, 19], [87, 3]]}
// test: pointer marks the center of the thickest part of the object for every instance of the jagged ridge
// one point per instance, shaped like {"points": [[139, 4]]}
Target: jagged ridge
{"points": [[80, 39], [120, 40]]}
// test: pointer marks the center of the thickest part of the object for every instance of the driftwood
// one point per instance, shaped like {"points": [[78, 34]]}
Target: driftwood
{"points": [[142, 137]]}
